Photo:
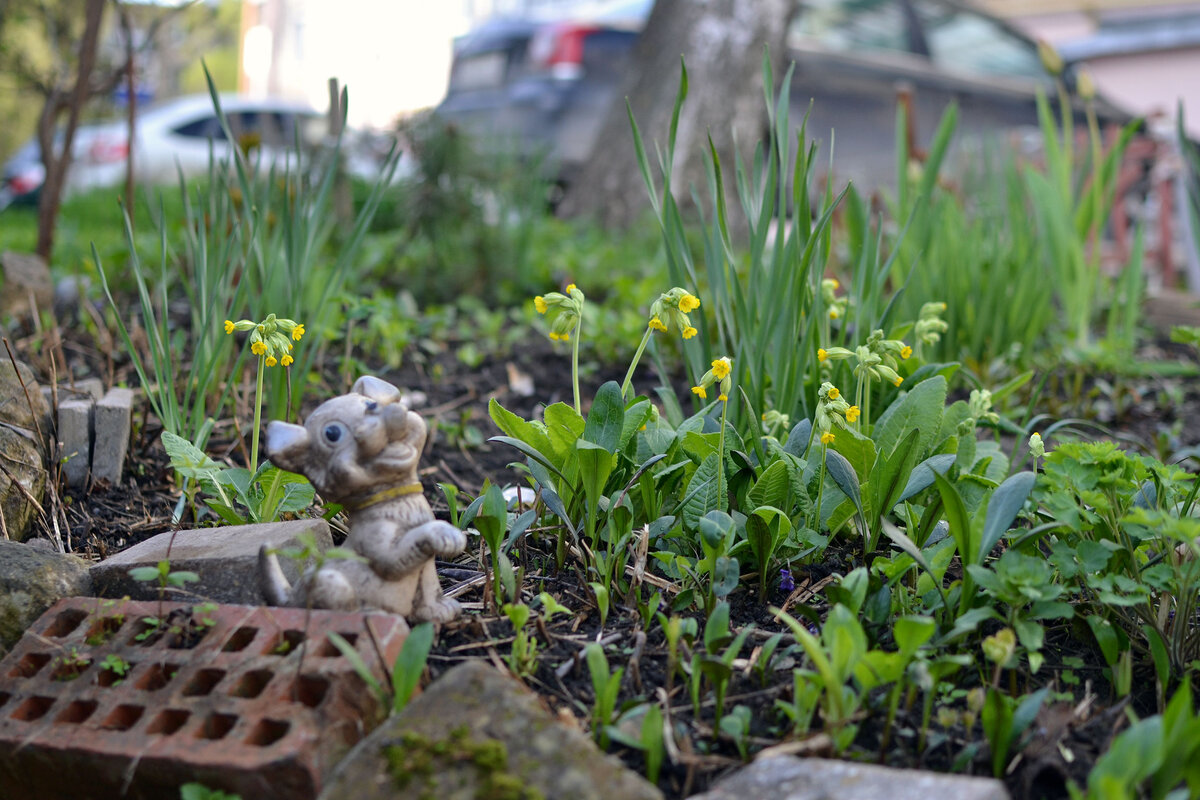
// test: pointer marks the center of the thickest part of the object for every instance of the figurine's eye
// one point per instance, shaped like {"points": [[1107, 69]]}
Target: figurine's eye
{"points": [[333, 433], [372, 405]]}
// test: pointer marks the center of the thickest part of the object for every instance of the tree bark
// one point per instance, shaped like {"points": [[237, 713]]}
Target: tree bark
{"points": [[57, 163], [721, 42]]}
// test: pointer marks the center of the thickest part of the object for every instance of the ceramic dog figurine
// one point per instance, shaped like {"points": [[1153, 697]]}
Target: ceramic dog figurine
{"points": [[361, 450]]}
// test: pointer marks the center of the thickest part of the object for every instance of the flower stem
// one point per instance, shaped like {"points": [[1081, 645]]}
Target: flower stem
{"points": [[262, 366], [721, 456], [575, 365], [628, 382], [820, 490]]}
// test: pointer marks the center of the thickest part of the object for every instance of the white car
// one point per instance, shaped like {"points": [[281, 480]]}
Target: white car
{"points": [[177, 135]]}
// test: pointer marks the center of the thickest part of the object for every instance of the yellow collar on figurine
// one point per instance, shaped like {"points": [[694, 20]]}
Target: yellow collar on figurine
{"points": [[384, 496]]}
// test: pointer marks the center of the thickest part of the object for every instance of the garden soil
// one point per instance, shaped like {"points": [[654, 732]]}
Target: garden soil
{"points": [[1159, 412]]}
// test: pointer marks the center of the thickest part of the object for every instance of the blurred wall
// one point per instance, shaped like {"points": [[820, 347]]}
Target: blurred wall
{"points": [[393, 55]]}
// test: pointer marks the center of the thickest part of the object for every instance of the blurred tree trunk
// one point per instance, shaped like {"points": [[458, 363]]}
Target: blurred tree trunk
{"points": [[58, 99], [721, 42]]}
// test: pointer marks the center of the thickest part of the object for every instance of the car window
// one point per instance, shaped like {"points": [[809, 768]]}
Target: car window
{"points": [[203, 127], [851, 25], [475, 71], [961, 40]]}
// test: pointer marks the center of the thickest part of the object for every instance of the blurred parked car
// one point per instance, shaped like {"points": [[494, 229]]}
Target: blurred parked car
{"points": [[545, 85], [177, 135]]}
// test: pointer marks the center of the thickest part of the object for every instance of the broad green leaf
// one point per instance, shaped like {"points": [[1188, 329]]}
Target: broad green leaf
{"points": [[771, 488], [891, 473], [843, 475], [921, 408], [595, 465], [858, 450], [725, 576], [526, 431], [921, 477], [606, 419], [187, 459], [636, 417], [564, 427], [406, 673], [701, 494], [956, 516], [1002, 508]]}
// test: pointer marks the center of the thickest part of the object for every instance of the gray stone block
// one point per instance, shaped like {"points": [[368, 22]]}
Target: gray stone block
{"points": [[791, 778], [110, 444], [226, 559], [75, 418], [477, 702], [83, 389], [32, 580]]}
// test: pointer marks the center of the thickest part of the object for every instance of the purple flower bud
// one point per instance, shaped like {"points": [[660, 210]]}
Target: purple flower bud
{"points": [[786, 582]]}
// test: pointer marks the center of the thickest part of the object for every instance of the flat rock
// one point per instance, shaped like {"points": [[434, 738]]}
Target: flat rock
{"points": [[791, 778], [32, 580], [226, 559], [24, 430], [474, 714]]}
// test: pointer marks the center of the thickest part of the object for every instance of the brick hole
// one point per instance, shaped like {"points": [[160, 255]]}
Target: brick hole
{"points": [[33, 708], [30, 665], [285, 643], [309, 690], [122, 718], [169, 721], [267, 732], [70, 668], [66, 622], [240, 640], [217, 726], [202, 682], [148, 632], [110, 677], [77, 712], [156, 677], [253, 683], [4, 697], [328, 649], [104, 629]]}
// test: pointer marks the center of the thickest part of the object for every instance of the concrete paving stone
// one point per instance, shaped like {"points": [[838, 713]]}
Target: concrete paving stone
{"points": [[226, 559], [474, 709], [83, 389], [791, 778], [75, 418], [261, 704], [110, 443]]}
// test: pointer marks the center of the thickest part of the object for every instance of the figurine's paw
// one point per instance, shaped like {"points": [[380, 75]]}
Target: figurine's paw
{"points": [[444, 540], [443, 609]]}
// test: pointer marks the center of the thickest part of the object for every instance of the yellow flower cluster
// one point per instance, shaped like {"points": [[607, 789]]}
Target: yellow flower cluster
{"points": [[671, 310], [832, 410], [563, 309], [270, 339], [720, 373], [836, 306]]}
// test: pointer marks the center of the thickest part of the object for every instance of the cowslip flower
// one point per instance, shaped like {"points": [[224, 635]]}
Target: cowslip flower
{"points": [[836, 305], [721, 374], [271, 339], [670, 312], [1037, 448], [563, 309], [852, 414], [832, 410]]}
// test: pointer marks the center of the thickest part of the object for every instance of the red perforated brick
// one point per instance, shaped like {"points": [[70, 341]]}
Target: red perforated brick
{"points": [[259, 702]]}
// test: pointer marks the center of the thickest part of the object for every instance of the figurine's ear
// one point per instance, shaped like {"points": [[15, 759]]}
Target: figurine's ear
{"points": [[376, 389], [287, 446]]}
